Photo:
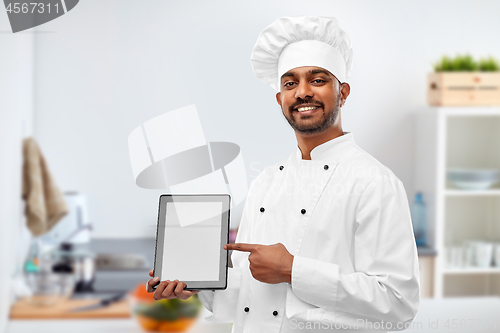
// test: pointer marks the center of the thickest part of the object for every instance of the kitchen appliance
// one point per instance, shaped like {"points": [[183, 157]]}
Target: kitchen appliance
{"points": [[68, 238], [75, 227], [78, 261]]}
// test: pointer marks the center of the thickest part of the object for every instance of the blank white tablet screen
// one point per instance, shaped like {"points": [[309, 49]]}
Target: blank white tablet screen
{"points": [[192, 244]]}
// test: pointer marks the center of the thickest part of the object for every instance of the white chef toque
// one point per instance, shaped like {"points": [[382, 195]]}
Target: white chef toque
{"points": [[291, 42]]}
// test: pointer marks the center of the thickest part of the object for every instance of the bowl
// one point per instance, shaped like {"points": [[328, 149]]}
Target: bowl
{"points": [[473, 178], [47, 288], [166, 315]]}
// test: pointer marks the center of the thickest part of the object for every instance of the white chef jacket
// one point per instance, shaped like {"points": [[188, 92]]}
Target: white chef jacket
{"points": [[346, 220]]}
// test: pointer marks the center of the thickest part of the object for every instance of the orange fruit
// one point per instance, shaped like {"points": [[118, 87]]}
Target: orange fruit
{"points": [[148, 324], [142, 294], [180, 325]]}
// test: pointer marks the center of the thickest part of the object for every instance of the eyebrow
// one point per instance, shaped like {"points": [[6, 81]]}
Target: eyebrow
{"points": [[311, 72]]}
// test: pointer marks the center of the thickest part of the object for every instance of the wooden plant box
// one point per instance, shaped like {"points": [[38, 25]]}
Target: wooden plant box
{"points": [[463, 88]]}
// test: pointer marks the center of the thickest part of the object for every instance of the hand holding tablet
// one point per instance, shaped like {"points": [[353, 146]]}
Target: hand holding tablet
{"points": [[189, 254], [168, 289]]}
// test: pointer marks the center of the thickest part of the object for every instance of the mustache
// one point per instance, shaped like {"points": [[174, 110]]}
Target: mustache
{"points": [[301, 101]]}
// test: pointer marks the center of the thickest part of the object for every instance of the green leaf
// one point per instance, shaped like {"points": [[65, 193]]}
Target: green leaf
{"points": [[465, 63]]}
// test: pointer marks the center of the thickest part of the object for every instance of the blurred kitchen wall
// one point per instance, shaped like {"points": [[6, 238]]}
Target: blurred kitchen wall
{"points": [[107, 66], [16, 115]]}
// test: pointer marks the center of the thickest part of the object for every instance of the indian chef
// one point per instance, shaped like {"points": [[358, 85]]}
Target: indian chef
{"points": [[325, 242]]}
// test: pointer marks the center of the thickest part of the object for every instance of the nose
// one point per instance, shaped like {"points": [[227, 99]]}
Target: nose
{"points": [[303, 90]]}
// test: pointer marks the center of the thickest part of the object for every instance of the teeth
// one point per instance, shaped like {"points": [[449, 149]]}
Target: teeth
{"points": [[307, 108]]}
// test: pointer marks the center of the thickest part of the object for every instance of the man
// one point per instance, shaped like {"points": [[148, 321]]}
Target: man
{"points": [[325, 241]]}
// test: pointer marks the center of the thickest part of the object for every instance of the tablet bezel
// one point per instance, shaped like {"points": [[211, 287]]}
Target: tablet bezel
{"points": [[225, 199]]}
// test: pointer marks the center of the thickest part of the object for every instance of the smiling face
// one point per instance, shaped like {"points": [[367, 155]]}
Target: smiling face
{"points": [[310, 99]]}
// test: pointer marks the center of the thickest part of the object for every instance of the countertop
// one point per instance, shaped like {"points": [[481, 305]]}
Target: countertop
{"points": [[104, 326]]}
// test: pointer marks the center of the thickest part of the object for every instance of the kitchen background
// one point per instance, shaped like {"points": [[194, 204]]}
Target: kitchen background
{"points": [[81, 83]]}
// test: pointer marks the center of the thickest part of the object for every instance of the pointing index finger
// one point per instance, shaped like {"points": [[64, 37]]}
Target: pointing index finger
{"points": [[240, 247]]}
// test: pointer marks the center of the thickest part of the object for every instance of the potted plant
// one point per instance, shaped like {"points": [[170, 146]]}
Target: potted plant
{"points": [[463, 81]]}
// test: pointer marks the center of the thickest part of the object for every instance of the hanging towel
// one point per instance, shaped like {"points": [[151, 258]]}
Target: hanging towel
{"points": [[45, 204]]}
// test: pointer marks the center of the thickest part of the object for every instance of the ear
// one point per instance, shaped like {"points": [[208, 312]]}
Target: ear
{"points": [[345, 90], [278, 98]]}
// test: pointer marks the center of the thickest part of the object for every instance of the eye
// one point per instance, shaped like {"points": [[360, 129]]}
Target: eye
{"points": [[288, 84], [318, 81]]}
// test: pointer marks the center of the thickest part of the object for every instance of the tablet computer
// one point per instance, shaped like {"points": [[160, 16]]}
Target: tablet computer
{"points": [[191, 232]]}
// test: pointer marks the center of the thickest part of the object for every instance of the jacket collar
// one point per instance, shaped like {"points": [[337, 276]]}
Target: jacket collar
{"points": [[332, 149]]}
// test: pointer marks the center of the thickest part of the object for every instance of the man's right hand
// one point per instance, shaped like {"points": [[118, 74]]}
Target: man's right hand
{"points": [[168, 289]]}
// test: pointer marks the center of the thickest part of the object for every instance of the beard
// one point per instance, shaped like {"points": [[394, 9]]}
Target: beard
{"points": [[328, 118]]}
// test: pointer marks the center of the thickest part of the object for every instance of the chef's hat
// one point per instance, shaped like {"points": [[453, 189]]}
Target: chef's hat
{"points": [[291, 42]]}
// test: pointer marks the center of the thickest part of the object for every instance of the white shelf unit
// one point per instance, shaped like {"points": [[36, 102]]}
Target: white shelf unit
{"points": [[458, 137]]}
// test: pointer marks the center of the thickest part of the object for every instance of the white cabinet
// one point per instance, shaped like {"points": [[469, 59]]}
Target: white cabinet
{"points": [[459, 137]]}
